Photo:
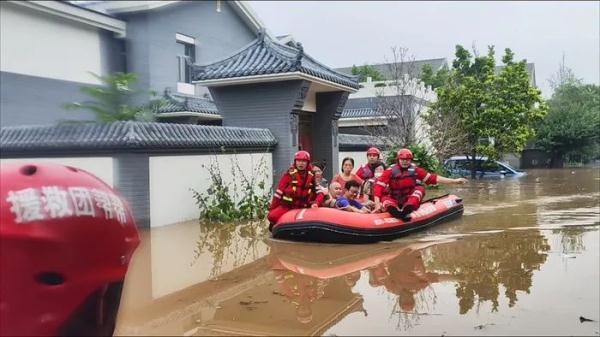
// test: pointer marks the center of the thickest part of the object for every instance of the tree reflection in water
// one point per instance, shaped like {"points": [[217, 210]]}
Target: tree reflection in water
{"points": [[483, 263], [309, 275], [235, 239], [571, 239]]}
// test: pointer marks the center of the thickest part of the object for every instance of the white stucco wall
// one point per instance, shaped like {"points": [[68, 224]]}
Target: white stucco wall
{"points": [[171, 178], [38, 44], [101, 167], [412, 87]]}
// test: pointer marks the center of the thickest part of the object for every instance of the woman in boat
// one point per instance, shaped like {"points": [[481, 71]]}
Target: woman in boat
{"points": [[400, 180], [296, 189], [346, 174]]}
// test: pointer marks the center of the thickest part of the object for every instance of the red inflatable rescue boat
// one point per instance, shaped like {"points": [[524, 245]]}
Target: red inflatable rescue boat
{"points": [[335, 226]]}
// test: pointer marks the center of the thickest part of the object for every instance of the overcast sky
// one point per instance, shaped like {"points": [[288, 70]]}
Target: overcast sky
{"points": [[354, 32]]}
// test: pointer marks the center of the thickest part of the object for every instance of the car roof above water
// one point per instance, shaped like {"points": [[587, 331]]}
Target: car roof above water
{"points": [[465, 158]]}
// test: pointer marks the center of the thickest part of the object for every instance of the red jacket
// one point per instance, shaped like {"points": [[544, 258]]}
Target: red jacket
{"points": [[297, 189], [366, 171], [402, 181]]}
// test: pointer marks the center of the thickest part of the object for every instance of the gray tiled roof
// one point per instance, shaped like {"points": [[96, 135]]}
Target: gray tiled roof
{"points": [[361, 107], [373, 106], [347, 140], [180, 103], [130, 136], [357, 113], [264, 56], [412, 68]]}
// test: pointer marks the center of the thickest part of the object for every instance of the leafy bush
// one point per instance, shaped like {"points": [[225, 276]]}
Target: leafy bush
{"points": [[219, 203]]}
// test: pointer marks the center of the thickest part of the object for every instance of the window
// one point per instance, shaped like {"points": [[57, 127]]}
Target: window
{"points": [[492, 167], [186, 56]]}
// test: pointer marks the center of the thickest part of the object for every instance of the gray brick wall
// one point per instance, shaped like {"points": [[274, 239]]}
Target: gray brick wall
{"points": [[264, 105], [132, 179], [325, 129]]}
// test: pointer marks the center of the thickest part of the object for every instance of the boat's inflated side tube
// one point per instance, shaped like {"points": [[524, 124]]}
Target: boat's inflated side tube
{"points": [[335, 226]]}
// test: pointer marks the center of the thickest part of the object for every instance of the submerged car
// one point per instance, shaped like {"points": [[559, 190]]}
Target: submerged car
{"points": [[461, 166]]}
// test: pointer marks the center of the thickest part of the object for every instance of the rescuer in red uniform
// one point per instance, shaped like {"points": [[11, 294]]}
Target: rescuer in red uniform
{"points": [[297, 189], [401, 181], [367, 171]]}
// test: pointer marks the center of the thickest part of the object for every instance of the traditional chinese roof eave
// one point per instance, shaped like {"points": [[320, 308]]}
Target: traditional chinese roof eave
{"points": [[296, 75], [266, 60], [362, 121], [188, 114], [131, 137]]}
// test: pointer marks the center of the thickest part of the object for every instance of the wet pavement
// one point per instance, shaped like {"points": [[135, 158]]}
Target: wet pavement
{"points": [[524, 259]]}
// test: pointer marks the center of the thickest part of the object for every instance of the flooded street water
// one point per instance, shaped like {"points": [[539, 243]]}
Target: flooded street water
{"points": [[523, 259]]}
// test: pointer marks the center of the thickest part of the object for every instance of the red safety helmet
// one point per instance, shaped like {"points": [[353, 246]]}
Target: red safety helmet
{"points": [[404, 154], [66, 239], [302, 155], [374, 150]]}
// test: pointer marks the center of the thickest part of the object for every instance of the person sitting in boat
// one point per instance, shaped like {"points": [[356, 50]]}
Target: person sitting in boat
{"points": [[335, 191], [346, 174], [348, 201], [367, 171], [401, 181], [296, 189], [317, 168], [366, 190]]}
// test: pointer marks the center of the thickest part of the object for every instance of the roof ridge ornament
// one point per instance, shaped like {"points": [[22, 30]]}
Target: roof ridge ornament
{"points": [[261, 36], [186, 103], [299, 56]]}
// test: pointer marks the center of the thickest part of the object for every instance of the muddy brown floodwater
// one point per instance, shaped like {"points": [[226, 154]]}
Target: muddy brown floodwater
{"points": [[522, 260]]}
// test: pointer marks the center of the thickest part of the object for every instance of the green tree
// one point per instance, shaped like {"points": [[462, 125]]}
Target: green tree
{"points": [[365, 71], [437, 79], [484, 105], [572, 124], [111, 101]]}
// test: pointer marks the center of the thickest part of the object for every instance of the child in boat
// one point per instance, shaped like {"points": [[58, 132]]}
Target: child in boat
{"points": [[348, 201]]}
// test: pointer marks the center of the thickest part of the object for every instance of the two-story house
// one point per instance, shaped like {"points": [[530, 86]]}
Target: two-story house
{"points": [[190, 51]]}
